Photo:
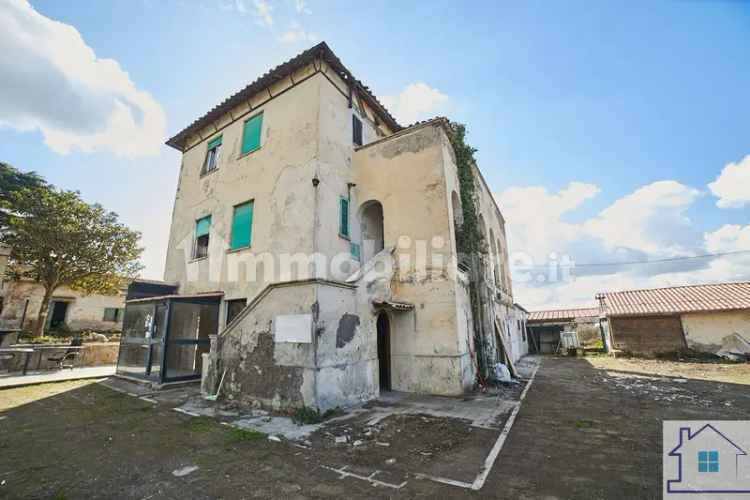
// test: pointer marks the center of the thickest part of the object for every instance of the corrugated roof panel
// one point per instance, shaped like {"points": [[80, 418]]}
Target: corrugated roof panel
{"points": [[563, 314]]}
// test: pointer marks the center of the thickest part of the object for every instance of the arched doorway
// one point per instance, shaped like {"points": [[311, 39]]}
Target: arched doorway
{"points": [[384, 351], [371, 224]]}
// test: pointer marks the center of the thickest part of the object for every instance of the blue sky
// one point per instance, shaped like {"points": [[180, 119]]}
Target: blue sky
{"points": [[641, 105]]}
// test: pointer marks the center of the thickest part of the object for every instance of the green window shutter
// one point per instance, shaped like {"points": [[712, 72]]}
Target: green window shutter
{"points": [[214, 142], [344, 217], [251, 134], [242, 225], [202, 226]]}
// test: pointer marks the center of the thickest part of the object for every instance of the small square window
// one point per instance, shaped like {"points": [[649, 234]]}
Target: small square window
{"points": [[112, 314], [356, 130], [212, 155], [708, 461], [234, 307]]}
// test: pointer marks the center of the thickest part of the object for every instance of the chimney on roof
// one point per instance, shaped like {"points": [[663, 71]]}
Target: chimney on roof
{"points": [[684, 435]]}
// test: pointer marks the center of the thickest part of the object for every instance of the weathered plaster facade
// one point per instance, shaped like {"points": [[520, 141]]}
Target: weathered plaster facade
{"points": [[401, 306], [709, 331]]}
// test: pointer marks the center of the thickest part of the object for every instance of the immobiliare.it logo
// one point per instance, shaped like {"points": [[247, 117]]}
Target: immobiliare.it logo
{"points": [[706, 459]]}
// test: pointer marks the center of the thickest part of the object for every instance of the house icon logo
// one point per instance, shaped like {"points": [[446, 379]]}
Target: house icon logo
{"points": [[708, 458]]}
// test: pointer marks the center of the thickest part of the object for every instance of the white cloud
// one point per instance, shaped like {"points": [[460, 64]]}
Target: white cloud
{"points": [[417, 101], [728, 238], [535, 216], [649, 223], [263, 12], [732, 187], [297, 34], [648, 220], [53, 82], [301, 7], [260, 10]]}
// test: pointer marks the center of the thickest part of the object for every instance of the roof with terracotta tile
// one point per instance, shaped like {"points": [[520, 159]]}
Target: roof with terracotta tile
{"points": [[319, 51], [677, 299], [558, 315]]}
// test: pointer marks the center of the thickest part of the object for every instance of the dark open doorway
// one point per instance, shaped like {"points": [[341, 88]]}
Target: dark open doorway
{"points": [[384, 351], [58, 314]]}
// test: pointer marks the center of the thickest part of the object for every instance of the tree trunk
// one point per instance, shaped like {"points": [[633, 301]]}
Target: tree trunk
{"points": [[41, 319]]}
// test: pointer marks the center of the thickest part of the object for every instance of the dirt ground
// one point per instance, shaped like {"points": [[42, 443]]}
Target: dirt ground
{"points": [[733, 373], [585, 430]]}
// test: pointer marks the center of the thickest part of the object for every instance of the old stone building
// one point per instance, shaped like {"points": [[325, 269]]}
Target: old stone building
{"points": [[313, 247], [69, 309]]}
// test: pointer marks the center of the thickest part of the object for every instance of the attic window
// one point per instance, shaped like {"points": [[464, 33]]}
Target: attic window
{"points": [[356, 131], [212, 155]]}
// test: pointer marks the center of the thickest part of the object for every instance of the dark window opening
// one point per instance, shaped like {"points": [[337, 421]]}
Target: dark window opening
{"points": [[212, 155], [201, 247], [234, 307], [356, 130], [112, 314], [202, 230]]}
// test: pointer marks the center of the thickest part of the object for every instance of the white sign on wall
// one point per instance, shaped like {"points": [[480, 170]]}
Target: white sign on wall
{"points": [[293, 328]]}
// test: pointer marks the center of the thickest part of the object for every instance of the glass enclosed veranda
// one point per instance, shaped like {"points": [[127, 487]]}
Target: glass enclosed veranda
{"points": [[163, 338]]}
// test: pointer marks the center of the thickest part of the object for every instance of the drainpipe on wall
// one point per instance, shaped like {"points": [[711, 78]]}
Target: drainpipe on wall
{"points": [[316, 220]]}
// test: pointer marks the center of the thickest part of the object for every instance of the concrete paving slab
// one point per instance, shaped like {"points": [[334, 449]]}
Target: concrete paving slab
{"points": [[32, 378]]}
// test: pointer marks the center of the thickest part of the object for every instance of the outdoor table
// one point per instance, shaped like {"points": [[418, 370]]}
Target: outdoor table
{"points": [[19, 350], [66, 348]]}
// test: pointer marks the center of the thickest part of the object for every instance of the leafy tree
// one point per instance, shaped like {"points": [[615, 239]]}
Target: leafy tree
{"points": [[59, 240], [13, 180]]}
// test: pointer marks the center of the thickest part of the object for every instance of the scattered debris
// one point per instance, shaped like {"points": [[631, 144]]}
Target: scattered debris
{"points": [[184, 471], [390, 461], [274, 438], [340, 439]]}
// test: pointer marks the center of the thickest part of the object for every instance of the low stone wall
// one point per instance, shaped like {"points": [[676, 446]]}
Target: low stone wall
{"points": [[94, 354]]}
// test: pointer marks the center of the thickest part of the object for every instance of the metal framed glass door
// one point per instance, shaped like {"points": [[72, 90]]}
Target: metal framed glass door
{"points": [[141, 345], [191, 322]]}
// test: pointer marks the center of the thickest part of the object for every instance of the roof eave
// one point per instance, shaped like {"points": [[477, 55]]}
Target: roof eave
{"points": [[321, 51]]}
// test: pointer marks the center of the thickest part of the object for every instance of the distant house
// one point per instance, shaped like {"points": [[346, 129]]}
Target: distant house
{"points": [[713, 318], [708, 462], [544, 327], [20, 301]]}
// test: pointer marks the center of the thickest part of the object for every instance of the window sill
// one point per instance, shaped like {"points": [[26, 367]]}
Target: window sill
{"points": [[197, 259], [206, 174], [238, 250], [249, 153], [345, 237]]}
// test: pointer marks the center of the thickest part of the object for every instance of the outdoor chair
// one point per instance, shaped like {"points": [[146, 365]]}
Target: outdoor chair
{"points": [[69, 357]]}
